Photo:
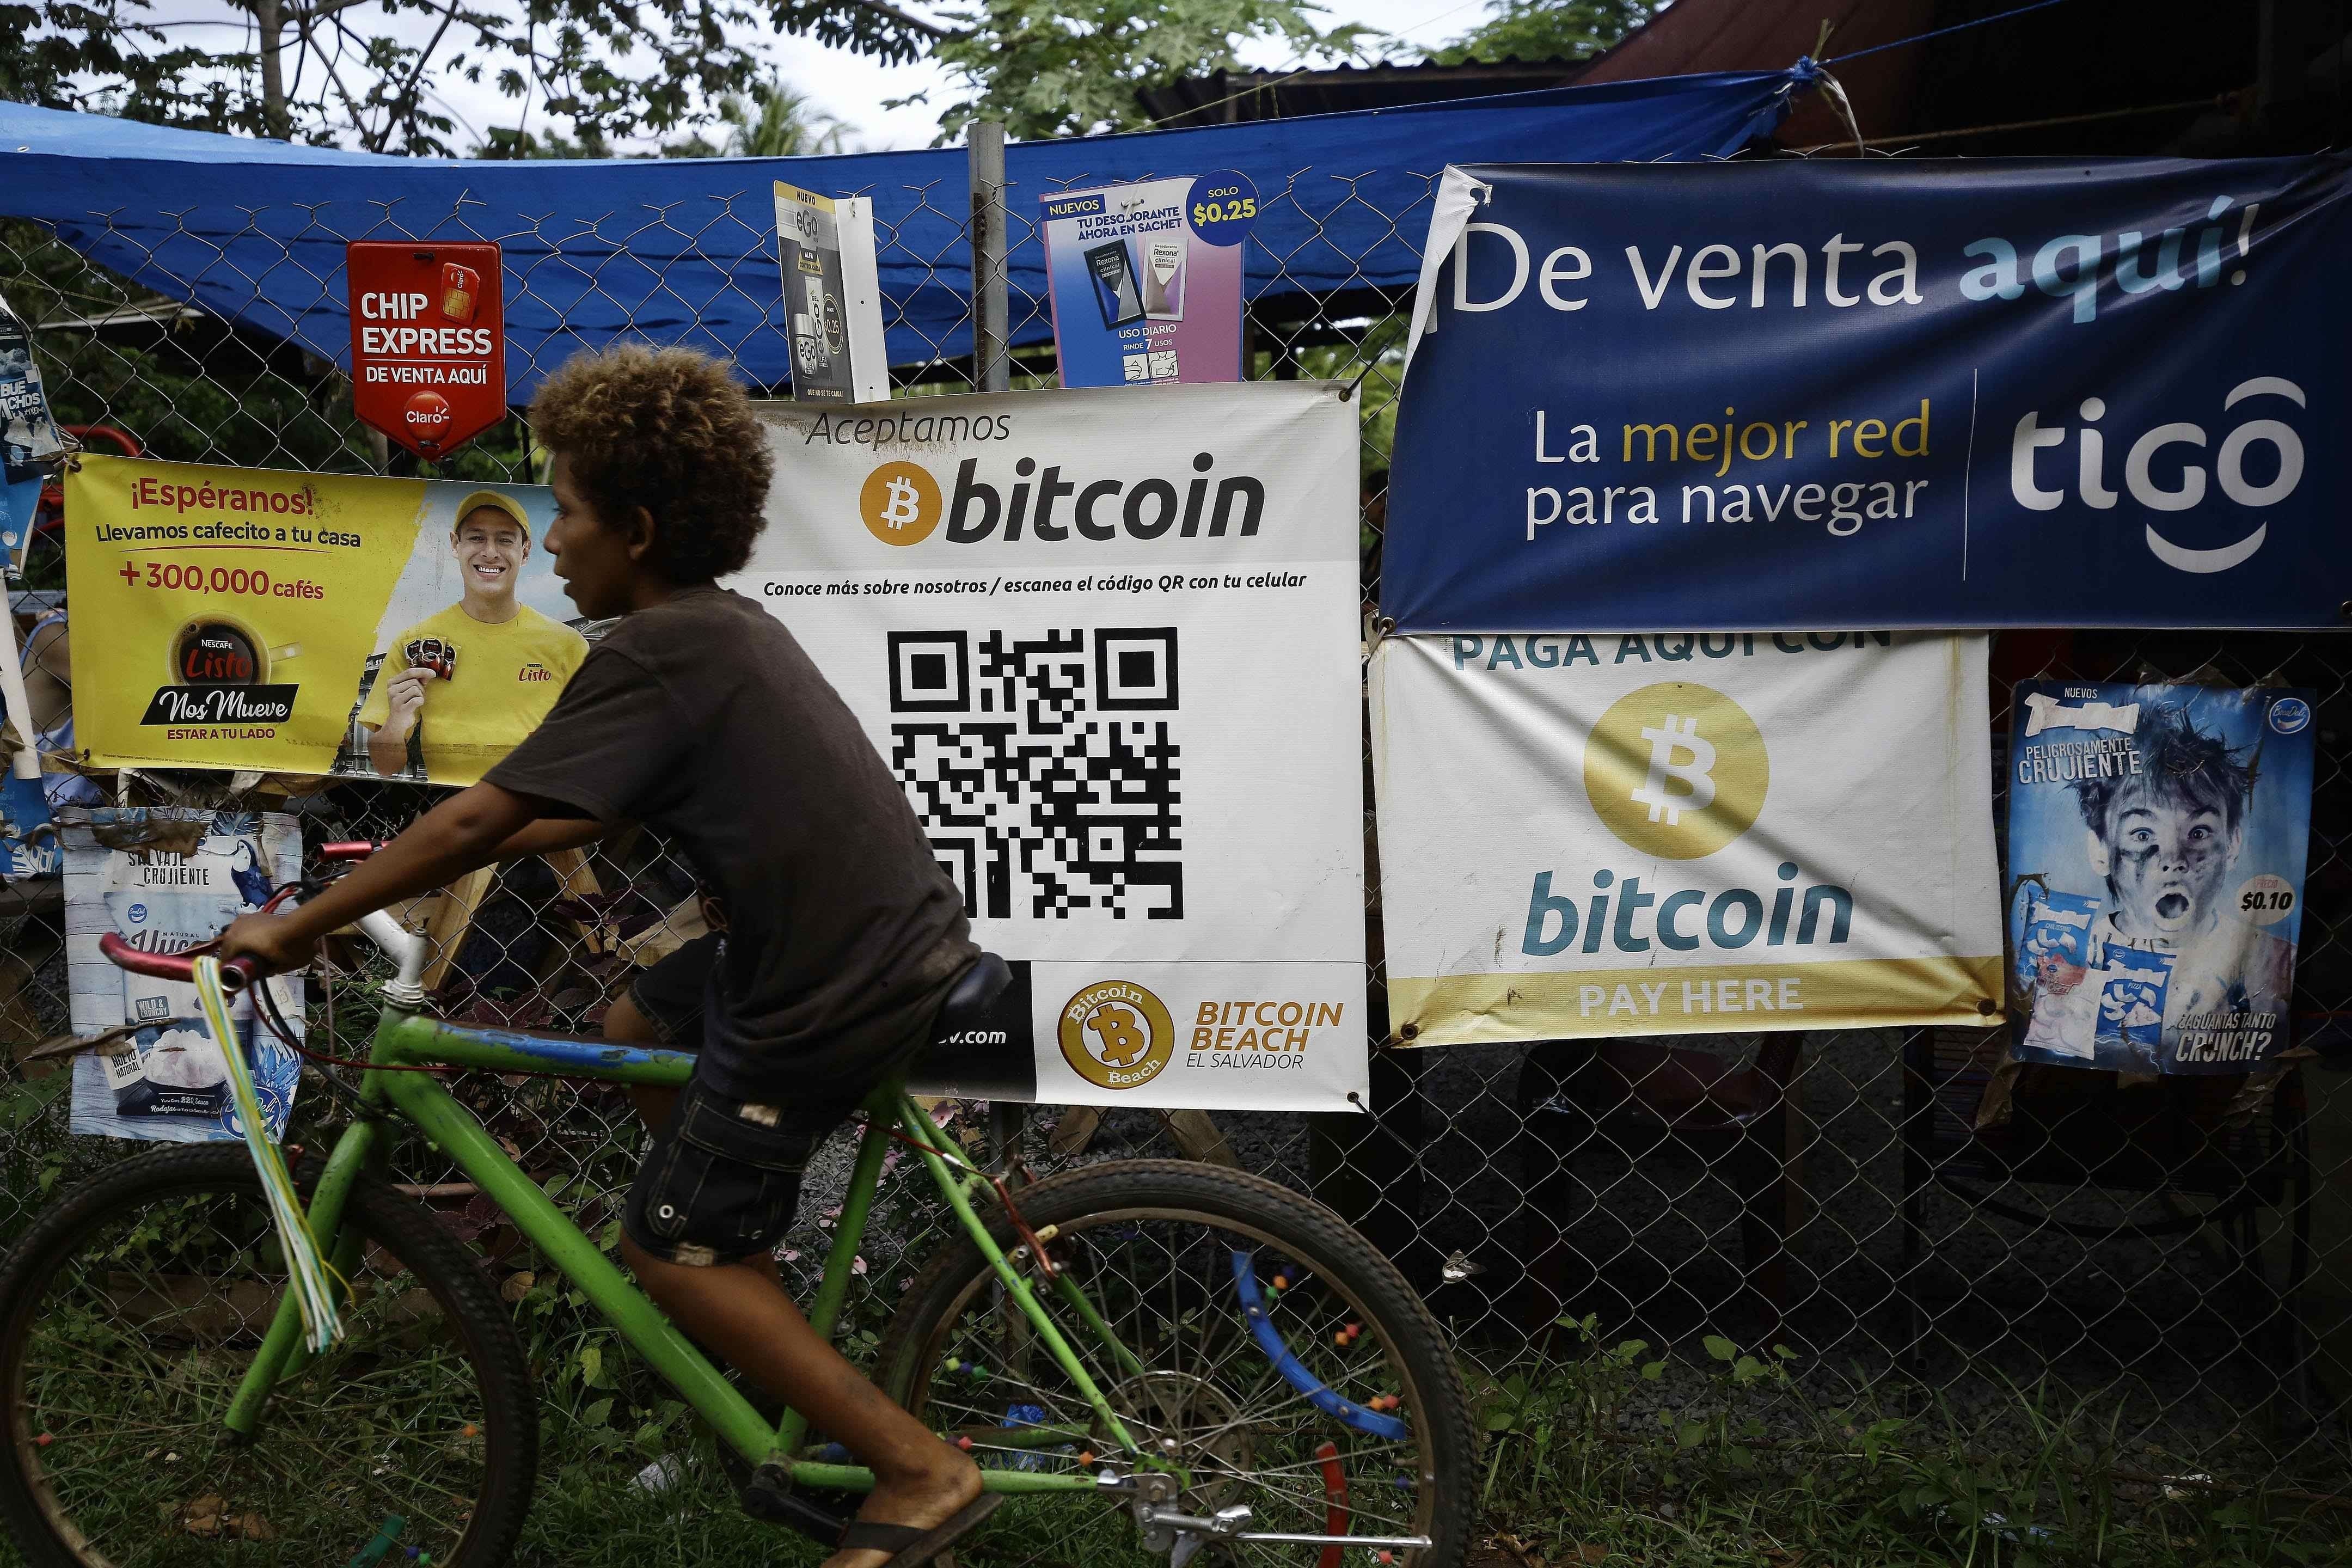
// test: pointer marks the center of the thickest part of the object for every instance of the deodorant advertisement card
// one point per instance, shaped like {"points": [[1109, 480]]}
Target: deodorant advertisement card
{"points": [[164, 880], [2158, 836], [833, 297], [1146, 279]]}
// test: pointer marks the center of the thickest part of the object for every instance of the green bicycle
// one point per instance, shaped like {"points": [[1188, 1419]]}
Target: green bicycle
{"points": [[1152, 1358]]}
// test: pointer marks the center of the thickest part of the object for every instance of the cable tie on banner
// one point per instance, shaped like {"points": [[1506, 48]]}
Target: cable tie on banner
{"points": [[1836, 91]]}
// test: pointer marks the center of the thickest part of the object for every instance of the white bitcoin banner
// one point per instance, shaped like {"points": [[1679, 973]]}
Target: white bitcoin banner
{"points": [[1685, 834], [1107, 640]]}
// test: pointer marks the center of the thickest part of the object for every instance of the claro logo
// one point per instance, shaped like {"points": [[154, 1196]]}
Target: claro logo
{"points": [[900, 504]]}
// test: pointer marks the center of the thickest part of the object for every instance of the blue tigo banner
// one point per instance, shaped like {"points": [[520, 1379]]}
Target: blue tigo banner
{"points": [[2008, 392]]}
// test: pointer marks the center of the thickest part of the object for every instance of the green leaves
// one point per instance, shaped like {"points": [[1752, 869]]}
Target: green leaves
{"points": [[1546, 30], [1073, 68], [616, 68]]}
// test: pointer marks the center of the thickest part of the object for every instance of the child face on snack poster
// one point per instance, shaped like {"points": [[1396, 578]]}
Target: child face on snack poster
{"points": [[2158, 836]]}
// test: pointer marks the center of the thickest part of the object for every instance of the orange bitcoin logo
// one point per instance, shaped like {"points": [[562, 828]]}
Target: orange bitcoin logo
{"points": [[1122, 1034], [1117, 1035], [899, 503]]}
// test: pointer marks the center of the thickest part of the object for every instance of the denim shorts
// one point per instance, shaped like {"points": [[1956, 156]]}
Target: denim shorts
{"points": [[722, 1178], [669, 993]]}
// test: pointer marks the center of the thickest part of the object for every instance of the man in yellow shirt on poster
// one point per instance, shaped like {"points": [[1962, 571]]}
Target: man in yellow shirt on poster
{"points": [[479, 675]]}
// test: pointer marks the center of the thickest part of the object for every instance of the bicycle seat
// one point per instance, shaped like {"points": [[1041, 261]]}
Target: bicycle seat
{"points": [[968, 1004]]}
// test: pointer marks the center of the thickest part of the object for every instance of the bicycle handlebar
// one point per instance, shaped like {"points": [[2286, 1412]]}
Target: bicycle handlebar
{"points": [[236, 974], [350, 849]]}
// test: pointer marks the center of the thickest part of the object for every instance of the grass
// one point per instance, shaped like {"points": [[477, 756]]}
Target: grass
{"points": [[1582, 1470], [1612, 1454]]}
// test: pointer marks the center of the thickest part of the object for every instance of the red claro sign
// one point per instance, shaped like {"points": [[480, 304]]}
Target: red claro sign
{"points": [[428, 341]]}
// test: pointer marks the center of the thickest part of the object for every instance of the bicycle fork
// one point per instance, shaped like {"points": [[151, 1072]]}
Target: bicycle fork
{"points": [[283, 1353]]}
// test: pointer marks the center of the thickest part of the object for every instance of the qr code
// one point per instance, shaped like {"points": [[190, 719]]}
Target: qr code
{"points": [[1043, 769]]}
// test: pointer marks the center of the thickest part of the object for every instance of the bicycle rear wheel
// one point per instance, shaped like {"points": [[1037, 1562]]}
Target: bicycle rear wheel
{"points": [[1174, 1255], [127, 1315]]}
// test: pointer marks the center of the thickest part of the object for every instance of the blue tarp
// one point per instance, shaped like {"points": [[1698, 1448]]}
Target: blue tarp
{"points": [[683, 251]]}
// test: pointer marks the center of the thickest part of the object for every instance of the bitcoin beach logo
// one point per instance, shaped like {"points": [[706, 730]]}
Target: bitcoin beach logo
{"points": [[1677, 770], [899, 503], [1117, 1035]]}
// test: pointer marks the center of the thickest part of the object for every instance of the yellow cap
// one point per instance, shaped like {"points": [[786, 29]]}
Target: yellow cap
{"points": [[497, 501]]}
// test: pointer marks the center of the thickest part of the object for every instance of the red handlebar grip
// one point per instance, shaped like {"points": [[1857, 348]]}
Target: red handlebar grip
{"points": [[350, 849], [236, 974]]}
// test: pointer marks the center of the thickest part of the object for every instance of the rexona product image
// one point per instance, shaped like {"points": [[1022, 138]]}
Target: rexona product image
{"points": [[1163, 280]]}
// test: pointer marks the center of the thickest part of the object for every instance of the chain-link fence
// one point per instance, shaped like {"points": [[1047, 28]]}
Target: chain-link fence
{"points": [[2169, 1259]]}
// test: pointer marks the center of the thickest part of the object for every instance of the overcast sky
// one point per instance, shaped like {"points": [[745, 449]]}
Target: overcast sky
{"points": [[851, 87]]}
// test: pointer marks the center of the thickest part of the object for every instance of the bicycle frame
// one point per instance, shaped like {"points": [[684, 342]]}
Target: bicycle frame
{"points": [[405, 1038]]}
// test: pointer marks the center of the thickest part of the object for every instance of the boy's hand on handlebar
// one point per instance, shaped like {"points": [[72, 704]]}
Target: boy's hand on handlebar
{"points": [[272, 940]]}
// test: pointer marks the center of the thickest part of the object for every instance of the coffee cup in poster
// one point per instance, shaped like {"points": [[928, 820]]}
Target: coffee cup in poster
{"points": [[219, 649]]}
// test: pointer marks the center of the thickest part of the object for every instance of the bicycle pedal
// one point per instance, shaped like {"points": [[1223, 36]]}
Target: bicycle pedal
{"points": [[771, 1498]]}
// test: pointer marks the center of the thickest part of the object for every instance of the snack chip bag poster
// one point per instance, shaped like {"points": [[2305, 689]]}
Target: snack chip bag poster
{"points": [[2157, 846], [168, 1082], [310, 623], [28, 435], [1146, 279]]}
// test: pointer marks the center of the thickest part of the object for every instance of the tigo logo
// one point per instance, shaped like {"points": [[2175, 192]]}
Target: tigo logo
{"points": [[1117, 1035], [899, 503], [1677, 770]]}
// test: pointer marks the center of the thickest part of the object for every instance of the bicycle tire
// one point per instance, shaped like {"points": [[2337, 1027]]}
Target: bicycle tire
{"points": [[407, 1236], [1132, 1193]]}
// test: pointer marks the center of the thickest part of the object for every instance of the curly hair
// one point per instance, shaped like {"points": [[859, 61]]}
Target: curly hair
{"points": [[668, 430]]}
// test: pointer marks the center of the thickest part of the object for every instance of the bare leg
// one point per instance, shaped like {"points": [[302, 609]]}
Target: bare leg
{"points": [[745, 1315], [625, 1024], [741, 1312]]}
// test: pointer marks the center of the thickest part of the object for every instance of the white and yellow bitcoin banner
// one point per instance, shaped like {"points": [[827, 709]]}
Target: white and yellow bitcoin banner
{"points": [[1681, 833]]}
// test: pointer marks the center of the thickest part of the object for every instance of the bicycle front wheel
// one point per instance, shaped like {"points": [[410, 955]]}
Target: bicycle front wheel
{"points": [[1255, 1344], [129, 1315]]}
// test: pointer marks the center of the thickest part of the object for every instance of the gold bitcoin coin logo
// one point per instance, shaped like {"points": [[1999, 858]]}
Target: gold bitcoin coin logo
{"points": [[899, 503], [1117, 1035], [1677, 770]]}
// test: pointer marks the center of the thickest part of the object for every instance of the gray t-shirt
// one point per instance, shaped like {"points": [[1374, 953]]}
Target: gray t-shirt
{"points": [[702, 719]]}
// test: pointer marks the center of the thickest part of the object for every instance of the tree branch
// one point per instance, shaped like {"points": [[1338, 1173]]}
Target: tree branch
{"points": [[424, 59], [906, 19], [320, 10]]}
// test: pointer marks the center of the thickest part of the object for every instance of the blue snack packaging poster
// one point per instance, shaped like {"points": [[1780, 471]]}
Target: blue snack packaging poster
{"points": [[28, 435], [2158, 836], [167, 1080]]}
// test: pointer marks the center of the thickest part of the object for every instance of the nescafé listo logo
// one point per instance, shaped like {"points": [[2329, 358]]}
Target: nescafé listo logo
{"points": [[212, 654], [1116, 1035]]}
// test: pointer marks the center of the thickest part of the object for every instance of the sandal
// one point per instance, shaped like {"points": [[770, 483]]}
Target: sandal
{"points": [[909, 1547]]}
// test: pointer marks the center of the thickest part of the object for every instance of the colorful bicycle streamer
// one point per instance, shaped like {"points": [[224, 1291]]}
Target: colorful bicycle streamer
{"points": [[305, 1267]]}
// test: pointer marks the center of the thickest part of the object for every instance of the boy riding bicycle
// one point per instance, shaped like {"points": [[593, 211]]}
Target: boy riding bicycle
{"points": [[700, 716]]}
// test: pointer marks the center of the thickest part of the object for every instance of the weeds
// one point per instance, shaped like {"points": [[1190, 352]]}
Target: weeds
{"points": [[1619, 1454]]}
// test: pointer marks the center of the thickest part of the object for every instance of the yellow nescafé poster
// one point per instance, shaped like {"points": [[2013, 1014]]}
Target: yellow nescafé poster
{"points": [[309, 622]]}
